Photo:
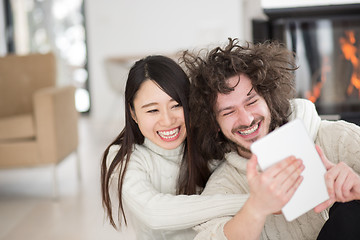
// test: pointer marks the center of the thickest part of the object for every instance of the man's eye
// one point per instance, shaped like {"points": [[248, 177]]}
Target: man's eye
{"points": [[227, 113], [251, 103]]}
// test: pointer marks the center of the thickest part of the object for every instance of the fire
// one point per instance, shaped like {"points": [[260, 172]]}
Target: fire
{"points": [[349, 50], [316, 91]]}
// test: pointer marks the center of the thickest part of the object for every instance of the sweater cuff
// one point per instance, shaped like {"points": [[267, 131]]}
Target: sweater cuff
{"points": [[212, 230]]}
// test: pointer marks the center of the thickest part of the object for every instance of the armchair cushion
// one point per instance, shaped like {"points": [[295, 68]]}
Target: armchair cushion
{"points": [[17, 127]]}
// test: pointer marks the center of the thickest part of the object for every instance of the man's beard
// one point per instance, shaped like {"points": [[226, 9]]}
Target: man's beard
{"points": [[242, 127], [241, 148]]}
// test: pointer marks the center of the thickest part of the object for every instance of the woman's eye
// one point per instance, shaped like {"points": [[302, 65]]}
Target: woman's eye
{"points": [[152, 111], [176, 105]]}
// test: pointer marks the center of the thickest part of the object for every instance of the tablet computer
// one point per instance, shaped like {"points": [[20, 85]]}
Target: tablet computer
{"points": [[293, 139]]}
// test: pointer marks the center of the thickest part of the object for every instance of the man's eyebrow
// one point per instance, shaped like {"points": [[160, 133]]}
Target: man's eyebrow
{"points": [[224, 109], [248, 94]]}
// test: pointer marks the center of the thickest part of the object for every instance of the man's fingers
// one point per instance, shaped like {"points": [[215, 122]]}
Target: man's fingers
{"points": [[329, 181], [323, 158], [331, 173], [280, 166], [295, 186], [324, 205], [290, 175], [251, 167], [339, 186]]}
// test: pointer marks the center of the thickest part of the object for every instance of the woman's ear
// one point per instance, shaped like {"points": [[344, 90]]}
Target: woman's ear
{"points": [[133, 115]]}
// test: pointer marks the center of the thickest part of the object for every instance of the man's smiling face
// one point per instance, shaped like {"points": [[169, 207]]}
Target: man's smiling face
{"points": [[242, 114]]}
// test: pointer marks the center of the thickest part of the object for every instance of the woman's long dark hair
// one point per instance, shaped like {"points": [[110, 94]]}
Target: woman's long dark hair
{"points": [[171, 78]]}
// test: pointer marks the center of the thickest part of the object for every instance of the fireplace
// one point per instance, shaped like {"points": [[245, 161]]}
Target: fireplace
{"points": [[327, 44]]}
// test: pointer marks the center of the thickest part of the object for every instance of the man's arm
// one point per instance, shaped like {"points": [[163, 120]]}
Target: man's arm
{"points": [[339, 142], [269, 192], [343, 183]]}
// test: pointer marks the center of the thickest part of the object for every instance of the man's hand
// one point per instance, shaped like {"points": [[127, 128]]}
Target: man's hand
{"points": [[343, 184], [269, 192], [272, 189]]}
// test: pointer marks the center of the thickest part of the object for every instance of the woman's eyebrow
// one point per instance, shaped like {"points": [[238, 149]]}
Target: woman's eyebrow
{"points": [[154, 103], [149, 105]]}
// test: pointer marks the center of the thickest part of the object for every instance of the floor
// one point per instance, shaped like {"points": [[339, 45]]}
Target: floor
{"points": [[29, 211]]}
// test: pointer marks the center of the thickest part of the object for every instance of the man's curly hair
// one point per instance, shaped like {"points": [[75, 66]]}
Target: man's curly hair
{"points": [[270, 67]]}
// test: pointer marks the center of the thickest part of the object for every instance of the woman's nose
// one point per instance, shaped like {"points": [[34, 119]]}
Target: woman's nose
{"points": [[166, 118]]}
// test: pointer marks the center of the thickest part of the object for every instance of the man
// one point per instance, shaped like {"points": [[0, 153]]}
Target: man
{"points": [[241, 93]]}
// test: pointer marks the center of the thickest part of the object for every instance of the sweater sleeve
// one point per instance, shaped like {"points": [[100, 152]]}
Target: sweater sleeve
{"points": [[160, 211], [225, 180], [212, 230], [340, 141]]}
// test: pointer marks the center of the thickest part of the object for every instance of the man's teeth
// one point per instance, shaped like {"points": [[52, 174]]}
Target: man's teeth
{"points": [[169, 134], [249, 130]]}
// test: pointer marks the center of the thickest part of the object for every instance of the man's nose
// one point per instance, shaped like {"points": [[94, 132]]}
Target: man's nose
{"points": [[245, 117]]}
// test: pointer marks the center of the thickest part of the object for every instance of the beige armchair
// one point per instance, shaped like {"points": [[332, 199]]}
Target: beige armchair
{"points": [[38, 120]]}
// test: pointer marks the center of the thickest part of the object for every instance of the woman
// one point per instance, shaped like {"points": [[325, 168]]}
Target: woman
{"points": [[145, 161]]}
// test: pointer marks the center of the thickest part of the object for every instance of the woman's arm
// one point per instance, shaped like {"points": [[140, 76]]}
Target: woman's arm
{"points": [[167, 211]]}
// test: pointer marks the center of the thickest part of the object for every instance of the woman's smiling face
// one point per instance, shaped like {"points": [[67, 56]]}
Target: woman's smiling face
{"points": [[159, 117]]}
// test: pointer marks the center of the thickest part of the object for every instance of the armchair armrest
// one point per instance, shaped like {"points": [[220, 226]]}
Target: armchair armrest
{"points": [[56, 120]]}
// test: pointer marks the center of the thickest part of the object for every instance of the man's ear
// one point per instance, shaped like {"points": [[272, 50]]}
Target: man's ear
{"points": [[218, 131], [133, 115]]}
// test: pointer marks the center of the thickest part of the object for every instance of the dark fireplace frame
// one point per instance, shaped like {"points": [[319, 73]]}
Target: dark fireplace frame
{"points": [[266, 30], [314, 11]]}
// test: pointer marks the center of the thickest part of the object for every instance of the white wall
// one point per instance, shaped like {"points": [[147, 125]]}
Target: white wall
{"points": [[140, 27]]}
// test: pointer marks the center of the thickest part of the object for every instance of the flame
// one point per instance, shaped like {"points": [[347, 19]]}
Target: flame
{"points": [[316, 90], [349, 50]]}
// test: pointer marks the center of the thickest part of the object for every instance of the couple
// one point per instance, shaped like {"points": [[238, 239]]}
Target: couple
{"points": [[158, 165]]}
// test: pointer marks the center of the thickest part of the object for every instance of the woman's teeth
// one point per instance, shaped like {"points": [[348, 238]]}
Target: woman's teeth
{"points": [[249, 130], [169, 134]]}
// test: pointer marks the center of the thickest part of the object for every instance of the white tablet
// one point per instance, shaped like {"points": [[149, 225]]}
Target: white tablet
{"points": [[293, 139]]}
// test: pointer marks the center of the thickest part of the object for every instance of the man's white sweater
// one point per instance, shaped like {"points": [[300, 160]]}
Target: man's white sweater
{"points": [[339, 141]]}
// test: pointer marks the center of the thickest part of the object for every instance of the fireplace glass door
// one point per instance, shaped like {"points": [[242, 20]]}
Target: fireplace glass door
{"points": [[328, 55]]}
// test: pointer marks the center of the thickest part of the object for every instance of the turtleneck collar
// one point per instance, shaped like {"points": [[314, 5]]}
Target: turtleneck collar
{"points": [[237, 161], [306, 111], [179, 151]]}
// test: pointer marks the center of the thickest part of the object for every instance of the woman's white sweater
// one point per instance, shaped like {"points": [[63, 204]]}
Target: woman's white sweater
{"points": [[149, 195]]}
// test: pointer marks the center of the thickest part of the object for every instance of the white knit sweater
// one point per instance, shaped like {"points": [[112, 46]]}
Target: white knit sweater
{"points": [[149, 195], [339, 141]]}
